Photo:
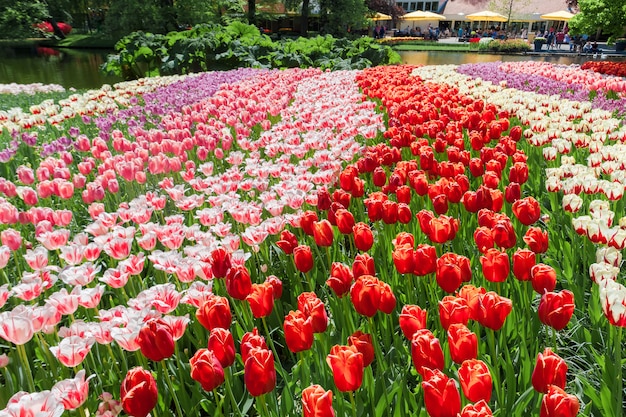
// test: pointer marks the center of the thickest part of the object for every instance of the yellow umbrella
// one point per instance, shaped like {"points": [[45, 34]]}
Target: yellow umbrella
{"points": [[561, 15], [381, 16], [486, 16], [420, 15]]}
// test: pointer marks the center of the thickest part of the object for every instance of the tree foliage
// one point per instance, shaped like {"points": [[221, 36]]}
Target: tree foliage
{"points": [[18, 17], [609, 16], [340, 17], [388, 7]]}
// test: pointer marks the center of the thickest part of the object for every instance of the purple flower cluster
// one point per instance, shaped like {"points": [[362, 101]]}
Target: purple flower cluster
{"points": [[490, 71], [171, 98]]}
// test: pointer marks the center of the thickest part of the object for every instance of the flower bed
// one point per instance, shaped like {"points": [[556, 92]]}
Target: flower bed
{"points": [[387, 242]]}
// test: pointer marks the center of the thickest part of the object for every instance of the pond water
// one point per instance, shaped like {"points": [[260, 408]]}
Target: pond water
{"points": [[459, 58], [66, 67], [81, 68]]}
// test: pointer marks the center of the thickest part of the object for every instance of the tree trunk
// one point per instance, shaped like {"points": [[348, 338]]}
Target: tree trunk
{"points": [[304, 18], [252, 12]]}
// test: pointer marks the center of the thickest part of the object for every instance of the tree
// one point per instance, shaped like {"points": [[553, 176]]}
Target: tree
{"points": [[340, 17], [304, 7], [507, 8], [389, 7], [595, 16], [18, 17]]}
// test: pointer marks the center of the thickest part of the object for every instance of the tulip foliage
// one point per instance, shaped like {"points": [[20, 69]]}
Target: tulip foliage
{"points": [[396, 241]]}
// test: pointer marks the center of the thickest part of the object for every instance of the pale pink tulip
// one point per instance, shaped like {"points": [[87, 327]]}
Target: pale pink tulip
{"points": [[16, 326], [72, 392], [37, 404], [72, 350]]}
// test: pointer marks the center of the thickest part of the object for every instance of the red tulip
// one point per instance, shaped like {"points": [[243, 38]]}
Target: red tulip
{"points": [[220, 262], [288, 242], [363, 236], [313, 308], [379, 177], [221, 343], [556, 309], [504, 233], [527, 210], [303, 258], [316, 402], [342, 198], [259, 373], [346, 363], [261, 299], [523, 261], [475, 380], [452, 270], [249, 341], [365, 295], [440, 204], [424, 260], [298, 331], [426, 351], [403, 194], [550, 369], [493, 310], [543, 278], [472, 295], [480, 409], [390, 212], [323, 199], [462, 342], [138, 392], [155, 340], [403, 259], [441, 396], [340, 279], [453, 310], [412, 318], [276, 284], [347, 176], [238, 283], [536, 239], [358, 188], [558, 403], [495, 265], [215, 312], [323, 233], [512, 192], [306, 221], [363, 265], [518, 173], [207, 369], [363, 343], [483, 237], [404, 213]]}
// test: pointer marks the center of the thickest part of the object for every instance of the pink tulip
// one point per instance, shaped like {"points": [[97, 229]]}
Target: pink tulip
{"points": [[72, 392]]}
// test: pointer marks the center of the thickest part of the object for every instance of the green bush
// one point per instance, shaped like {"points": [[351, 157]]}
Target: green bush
{"points": [[504, 46], [214, 47]]}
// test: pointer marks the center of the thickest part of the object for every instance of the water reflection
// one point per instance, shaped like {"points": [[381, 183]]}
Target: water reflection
{"points": [[66, 67], [459, 58]]}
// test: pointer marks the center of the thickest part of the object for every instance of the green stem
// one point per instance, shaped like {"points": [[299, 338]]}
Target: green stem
{"points": [[491, 336], [166, 375], [218, 403], [618, 387], [353, 403], [266, 412], [21, 351], [304, 374], [229, 391]]}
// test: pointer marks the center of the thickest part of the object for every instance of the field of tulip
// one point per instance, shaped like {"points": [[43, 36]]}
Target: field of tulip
{"points": [[398, 241]]}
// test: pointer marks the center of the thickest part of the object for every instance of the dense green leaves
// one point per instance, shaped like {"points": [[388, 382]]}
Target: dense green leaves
{"points": [[214, 47], [18, 17], [609, 16]]}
